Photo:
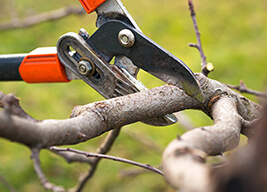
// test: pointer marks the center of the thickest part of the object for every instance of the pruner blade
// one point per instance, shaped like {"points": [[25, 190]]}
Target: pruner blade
{"points": [[113, 18], [145, 54]]}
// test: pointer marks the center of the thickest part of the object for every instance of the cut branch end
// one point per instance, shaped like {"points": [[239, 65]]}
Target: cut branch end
{"points": [[207, 68]]}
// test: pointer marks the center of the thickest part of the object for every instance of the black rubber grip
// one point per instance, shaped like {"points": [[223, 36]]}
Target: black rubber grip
{"points": [[9, 67]]}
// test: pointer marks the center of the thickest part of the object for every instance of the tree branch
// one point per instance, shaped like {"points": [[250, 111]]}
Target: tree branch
{"points": [[247, 169], [183, 159], [242, 88], [94, 119], [7, 184], [42, 17], [229, 110], [37, 167], [190, 150], [249, 128], [133, 172], [145, 166], [72, 157], [206, 68], [10, 104], [104, 148]]}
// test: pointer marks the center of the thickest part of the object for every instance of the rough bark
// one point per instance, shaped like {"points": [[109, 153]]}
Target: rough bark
{"points": [[184, 158], [190, 150], [94, 119]]}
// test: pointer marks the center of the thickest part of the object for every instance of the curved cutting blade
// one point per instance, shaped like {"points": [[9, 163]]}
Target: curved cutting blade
{"points": [[147, 55]]}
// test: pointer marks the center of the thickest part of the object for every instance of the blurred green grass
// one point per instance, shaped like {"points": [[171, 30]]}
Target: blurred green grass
{"points": [[234, 37]]}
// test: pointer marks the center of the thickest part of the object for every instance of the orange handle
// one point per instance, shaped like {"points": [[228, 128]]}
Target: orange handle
{"points": [[42, 66], [91, 5]]}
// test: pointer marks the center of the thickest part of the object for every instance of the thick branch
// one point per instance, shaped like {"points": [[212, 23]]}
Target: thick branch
{"points": [[94, 119], [247, 170], [229, 110], [189, 151]]}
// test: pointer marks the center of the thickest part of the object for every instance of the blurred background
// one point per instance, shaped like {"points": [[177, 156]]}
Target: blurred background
{"points": [[234, 37]]}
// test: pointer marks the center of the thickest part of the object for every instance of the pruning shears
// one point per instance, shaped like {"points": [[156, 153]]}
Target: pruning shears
{"points": [[81, 56]]}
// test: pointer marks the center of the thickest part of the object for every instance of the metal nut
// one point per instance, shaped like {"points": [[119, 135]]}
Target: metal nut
{"points": [[126, 38], [85, 67]]}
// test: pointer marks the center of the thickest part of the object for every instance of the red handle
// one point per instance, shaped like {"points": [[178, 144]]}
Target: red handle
{"points": [[91, 5], [42, 66]]}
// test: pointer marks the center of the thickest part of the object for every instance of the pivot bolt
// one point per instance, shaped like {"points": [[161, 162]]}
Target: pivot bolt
{"points": [[84, 34], [86, 67], [126, 38]]}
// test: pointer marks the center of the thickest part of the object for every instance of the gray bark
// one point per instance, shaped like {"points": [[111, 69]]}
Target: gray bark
{"points": [[94, 119], [183, 160]]}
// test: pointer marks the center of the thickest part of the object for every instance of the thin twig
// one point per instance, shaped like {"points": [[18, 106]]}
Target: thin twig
{"points": [[206, 68], [145, 166], [242, 88], [133, 172], [104, 148], [73, 158], [7, 184], [42, 17], [37, 167]]}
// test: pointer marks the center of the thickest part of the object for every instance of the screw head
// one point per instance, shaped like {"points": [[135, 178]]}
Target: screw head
{"points": [[126, 38], [86, 67]]}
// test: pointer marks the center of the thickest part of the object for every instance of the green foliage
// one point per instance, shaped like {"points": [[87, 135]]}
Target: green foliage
{"points": [[234, 39]]}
